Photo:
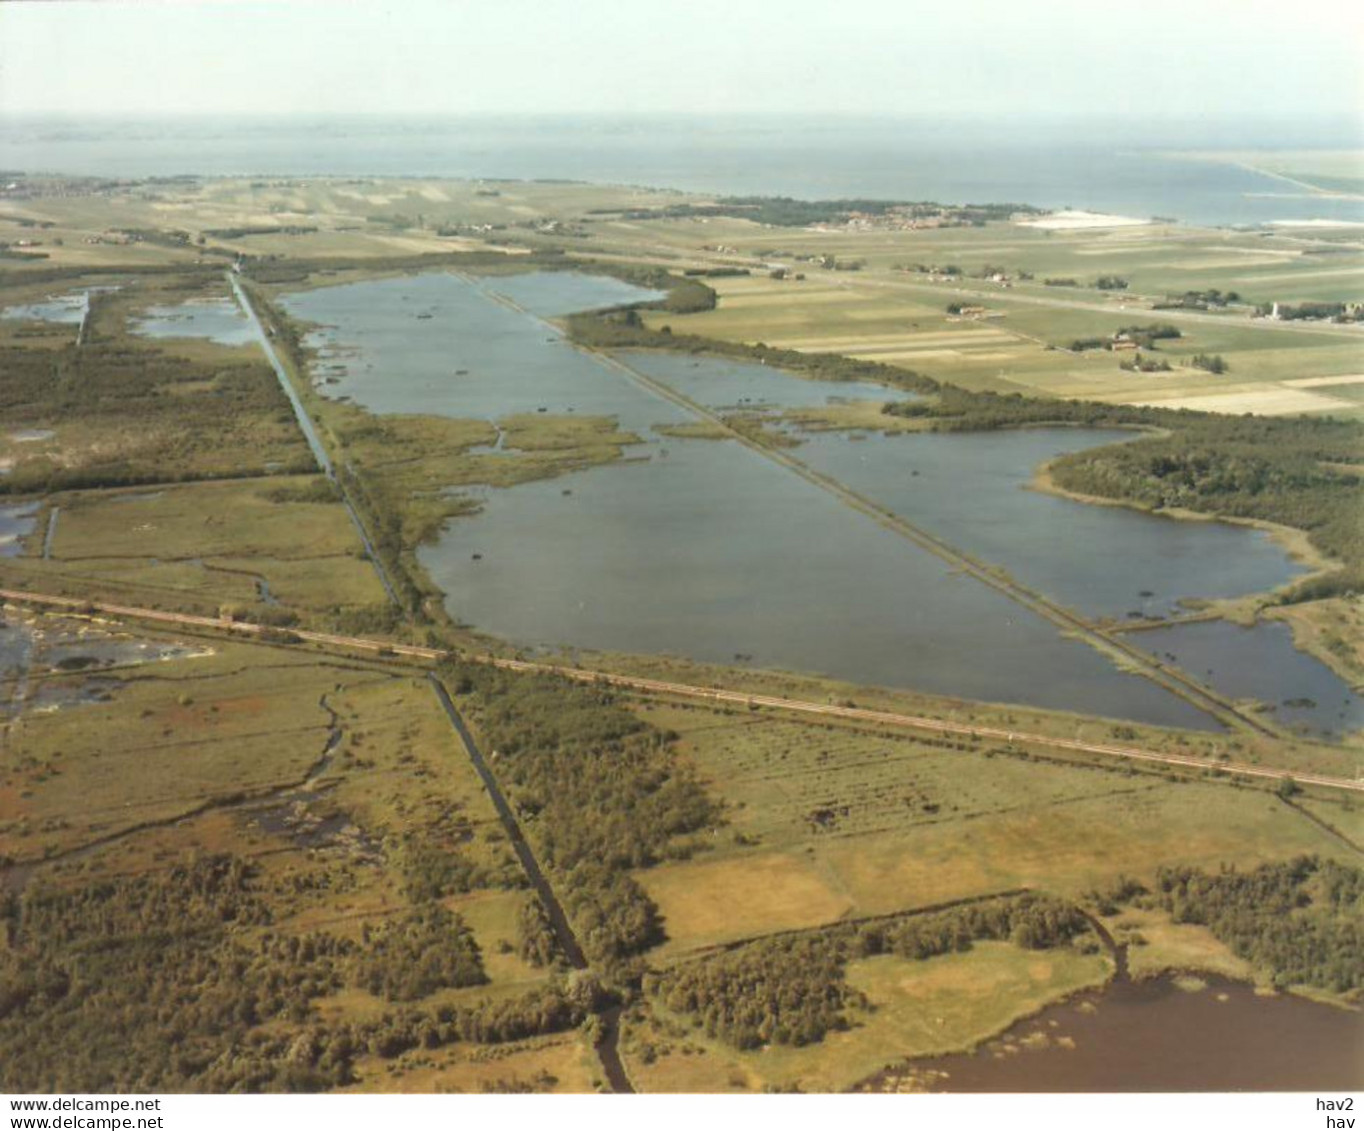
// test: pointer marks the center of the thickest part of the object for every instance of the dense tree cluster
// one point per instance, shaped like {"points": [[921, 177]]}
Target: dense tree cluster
{"points": [[1212, 362], [600, 793], [432, 870], [163, 418], [1291, 470], [1197, 300], [177, 980], [536, 942], [1300, 920], [1035, 922], [793, 989], [784, 991], [141, 983], [689, 297], [259, 230], [1333, 311], [1146, 336], [427, 949], [1141, 363]]}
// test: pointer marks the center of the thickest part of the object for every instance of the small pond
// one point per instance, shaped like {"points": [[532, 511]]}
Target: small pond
{"points": [[219, 320], [1260, 662], [16, 523]]}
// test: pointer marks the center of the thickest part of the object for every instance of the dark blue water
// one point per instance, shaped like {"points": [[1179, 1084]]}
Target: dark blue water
{"points": [[1260, 663], [710, 551], [1116, 168], [974, 492]]}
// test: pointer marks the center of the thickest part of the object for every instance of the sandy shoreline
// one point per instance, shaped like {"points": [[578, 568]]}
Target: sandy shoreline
{"points": [[1076, 220]]}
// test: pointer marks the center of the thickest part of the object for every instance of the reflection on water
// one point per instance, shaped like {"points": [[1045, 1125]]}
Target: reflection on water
{"points": [[712, 551], [52, 662], [439, 344], [219, 320], [552, 293], [1261, 663], [972, 490], [16, 522], [61, 308], [707, 549], [721, 384], [1153, 1036]]}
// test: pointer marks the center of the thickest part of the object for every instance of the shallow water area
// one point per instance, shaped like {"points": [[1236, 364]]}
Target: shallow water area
{"points": [[17, 521], [1154, 1036], [55, 662], [1260, 663], [219, 320], [550, 294], [441, 344], [68, 308], [16, 644], [723, 385]]}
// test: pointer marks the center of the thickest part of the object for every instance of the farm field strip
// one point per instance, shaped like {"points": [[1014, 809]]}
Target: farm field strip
{"points": [[1271, 402], [1325, 382]]}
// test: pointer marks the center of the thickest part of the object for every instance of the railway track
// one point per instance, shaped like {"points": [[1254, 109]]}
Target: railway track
{"points": [[691, 692]]}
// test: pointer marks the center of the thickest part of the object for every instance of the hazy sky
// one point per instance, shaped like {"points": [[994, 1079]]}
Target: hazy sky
{"points": [[1201, 57]]}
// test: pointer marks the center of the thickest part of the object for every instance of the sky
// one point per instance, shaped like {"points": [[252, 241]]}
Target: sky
{"points": [[1139, 58]]}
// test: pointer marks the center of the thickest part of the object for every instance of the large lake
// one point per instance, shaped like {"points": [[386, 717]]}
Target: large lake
{"points": [[973, 490], [1112, 166], [708, 549]]}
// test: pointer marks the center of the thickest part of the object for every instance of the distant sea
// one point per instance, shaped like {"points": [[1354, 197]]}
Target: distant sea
{"points": [[1119, 167]]}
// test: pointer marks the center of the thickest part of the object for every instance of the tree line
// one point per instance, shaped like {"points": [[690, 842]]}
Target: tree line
{"points": [[1300, 920], [598, 791], [793, 990], [179, 980]]}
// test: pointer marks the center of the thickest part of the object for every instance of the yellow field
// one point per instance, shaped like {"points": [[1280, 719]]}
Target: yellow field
{"points": [[1260, 400], [211, 545], [563, 1064], [917, 1008], [828, 824]]}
